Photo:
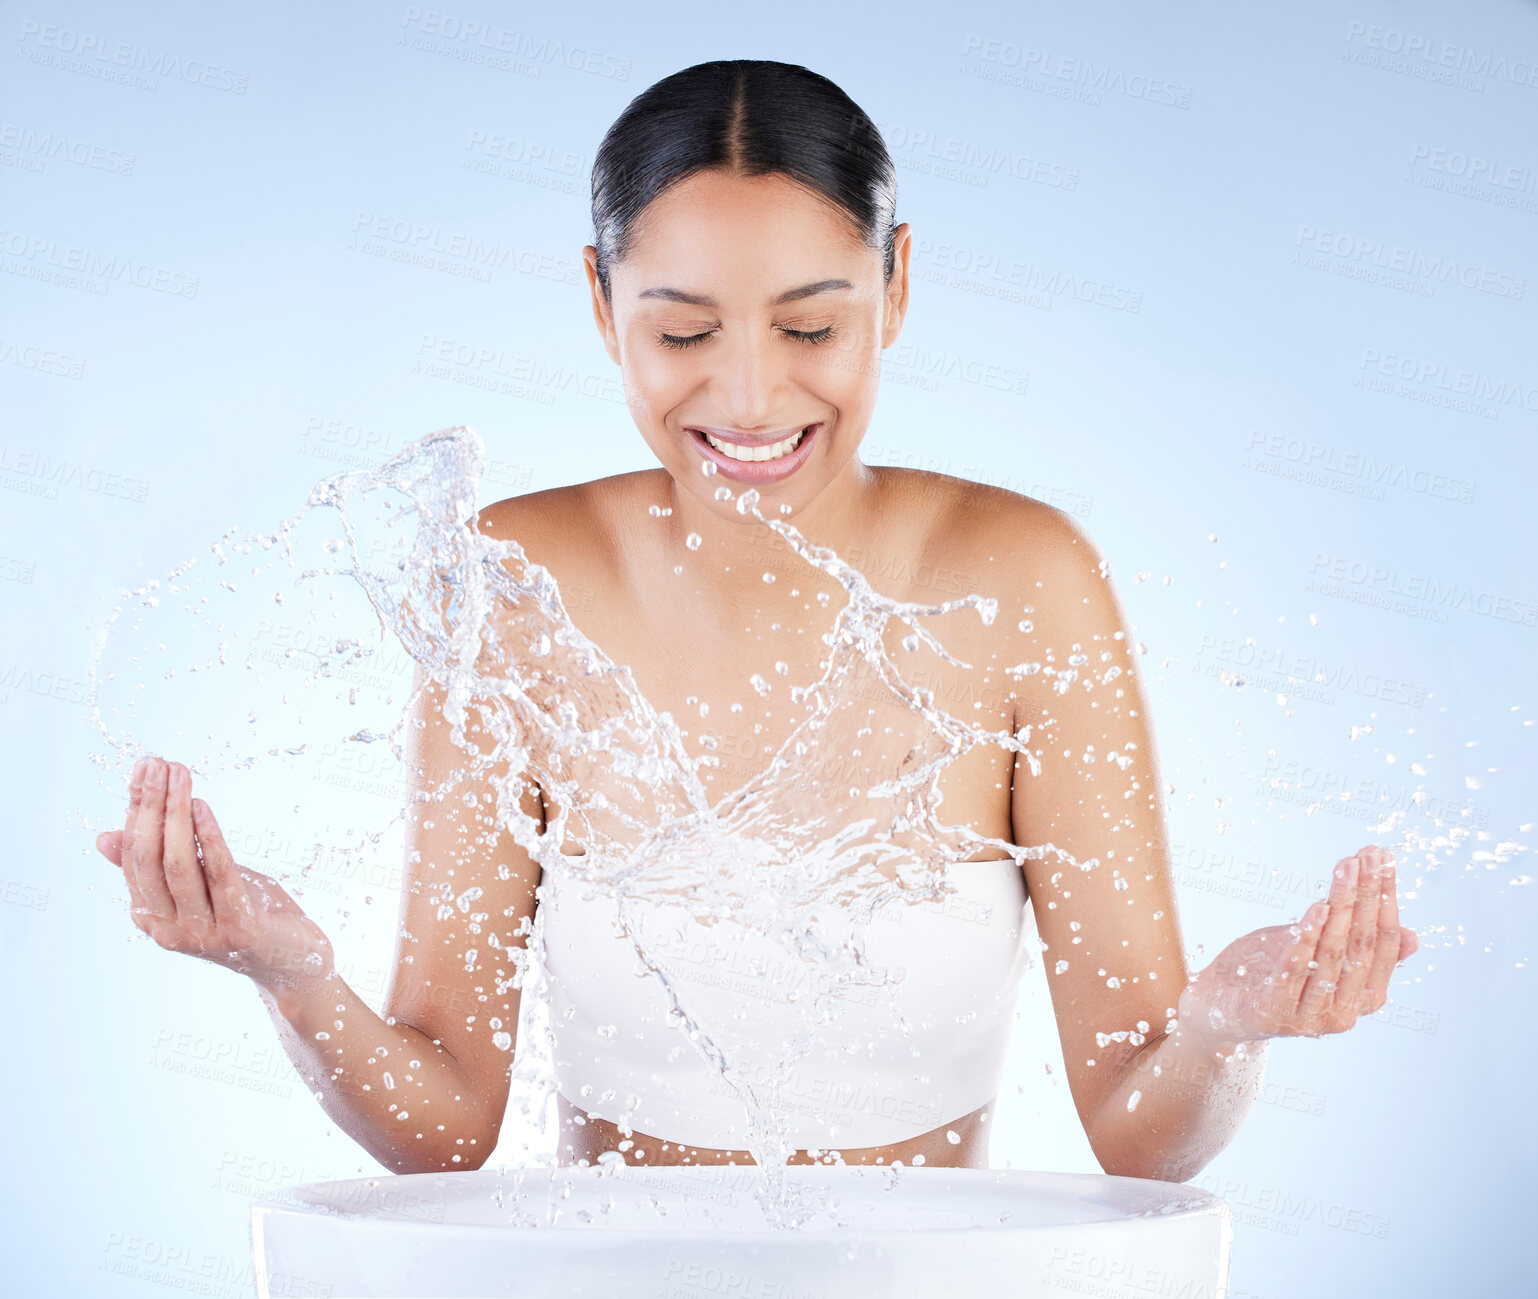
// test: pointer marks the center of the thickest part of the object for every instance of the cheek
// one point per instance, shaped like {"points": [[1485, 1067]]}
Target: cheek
{"points": [[844, 372], [653, 378]]}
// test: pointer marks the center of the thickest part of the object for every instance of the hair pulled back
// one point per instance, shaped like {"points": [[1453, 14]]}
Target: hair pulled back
{"points": [[752, 116]]}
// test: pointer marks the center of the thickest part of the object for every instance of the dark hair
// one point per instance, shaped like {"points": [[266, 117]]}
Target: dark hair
{"points": [[753, 116]]}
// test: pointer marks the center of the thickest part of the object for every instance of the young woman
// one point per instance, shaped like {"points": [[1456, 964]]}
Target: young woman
{"points": [[746, 273]]}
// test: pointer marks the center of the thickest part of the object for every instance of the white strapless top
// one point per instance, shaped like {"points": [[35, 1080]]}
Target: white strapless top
{"points": [[866, 1082]]}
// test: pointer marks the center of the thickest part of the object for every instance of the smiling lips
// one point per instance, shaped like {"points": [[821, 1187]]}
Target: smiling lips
{"points": [[759, 459], [754, 450]]}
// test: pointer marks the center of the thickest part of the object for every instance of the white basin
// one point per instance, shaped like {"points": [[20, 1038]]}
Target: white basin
{"points": [[699, 1233]]}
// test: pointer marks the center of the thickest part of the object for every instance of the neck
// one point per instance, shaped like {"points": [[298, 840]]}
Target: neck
{"points": [[736, 550]]}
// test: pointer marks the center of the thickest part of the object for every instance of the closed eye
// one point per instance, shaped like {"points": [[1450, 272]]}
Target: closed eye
{"points": [[802, 336]]}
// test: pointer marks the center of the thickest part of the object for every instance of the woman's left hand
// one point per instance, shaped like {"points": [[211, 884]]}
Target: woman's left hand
{"points": [[1314, 977]]}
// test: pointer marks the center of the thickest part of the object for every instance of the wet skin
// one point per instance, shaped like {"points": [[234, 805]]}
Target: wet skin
{"points": [[769, 358]]}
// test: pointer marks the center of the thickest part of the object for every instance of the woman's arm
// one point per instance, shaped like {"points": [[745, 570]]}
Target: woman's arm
{"points": [[424, 1088], [1164, 1068], [1311, 978], [1154, 1102], [389, 1086], [394, 1090]]}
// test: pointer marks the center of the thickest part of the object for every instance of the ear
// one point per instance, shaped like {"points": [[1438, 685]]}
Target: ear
{"points": [[897, 290], [602, 315]]}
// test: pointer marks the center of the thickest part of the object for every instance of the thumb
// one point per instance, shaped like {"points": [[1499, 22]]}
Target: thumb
{"points": [[110, 846]]}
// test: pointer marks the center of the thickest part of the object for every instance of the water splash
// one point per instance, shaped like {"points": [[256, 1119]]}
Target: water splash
{"points": [[844, 820]]}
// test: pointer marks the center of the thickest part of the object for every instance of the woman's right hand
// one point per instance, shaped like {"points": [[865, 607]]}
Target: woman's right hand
{"points": [[189, 895]]}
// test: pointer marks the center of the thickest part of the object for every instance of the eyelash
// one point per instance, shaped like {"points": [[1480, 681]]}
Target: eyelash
{"points": [[814, 336]]}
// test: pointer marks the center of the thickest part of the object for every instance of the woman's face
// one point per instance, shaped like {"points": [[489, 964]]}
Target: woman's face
{"points": [[748, 311]]}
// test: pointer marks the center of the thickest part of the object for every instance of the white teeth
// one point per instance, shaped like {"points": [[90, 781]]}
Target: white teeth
{"points": [[771, 452]]}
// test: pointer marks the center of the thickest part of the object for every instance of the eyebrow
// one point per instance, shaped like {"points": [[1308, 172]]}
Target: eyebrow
{"points": [[790, 295]]}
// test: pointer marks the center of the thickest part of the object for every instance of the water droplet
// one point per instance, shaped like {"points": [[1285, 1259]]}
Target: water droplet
{"points": [[693, 541]]}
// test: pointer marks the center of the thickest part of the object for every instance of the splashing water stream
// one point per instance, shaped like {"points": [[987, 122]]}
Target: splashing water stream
{"points": [[839, 824]]}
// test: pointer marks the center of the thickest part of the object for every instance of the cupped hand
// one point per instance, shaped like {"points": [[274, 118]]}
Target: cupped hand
{"points": [[189, 895], [1317, 976]]}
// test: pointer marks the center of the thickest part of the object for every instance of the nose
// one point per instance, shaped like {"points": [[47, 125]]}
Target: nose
{"points": [[751, 380]]}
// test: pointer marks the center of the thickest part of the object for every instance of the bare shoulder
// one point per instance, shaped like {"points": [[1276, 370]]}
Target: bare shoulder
{"points": [[565, 522], [995, 530], [536, 517]]}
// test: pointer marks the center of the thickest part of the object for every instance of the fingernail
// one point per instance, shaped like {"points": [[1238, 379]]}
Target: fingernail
{"points": [[138, 771]]}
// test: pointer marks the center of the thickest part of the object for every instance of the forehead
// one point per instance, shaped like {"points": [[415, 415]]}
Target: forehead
{"points": [[721, 228]]}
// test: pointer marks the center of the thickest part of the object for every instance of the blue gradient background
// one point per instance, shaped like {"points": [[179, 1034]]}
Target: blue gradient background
{"points": [[1394, 1159]]}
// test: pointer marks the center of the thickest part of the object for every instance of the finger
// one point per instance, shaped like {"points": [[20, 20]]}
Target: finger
{"points": [[1409, 944], [1319, 991], [147, 843], [184, 872], [1294, 966], [110, 846], [126, 844], [226, 886], [1362, 942], [1386, 954]]}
